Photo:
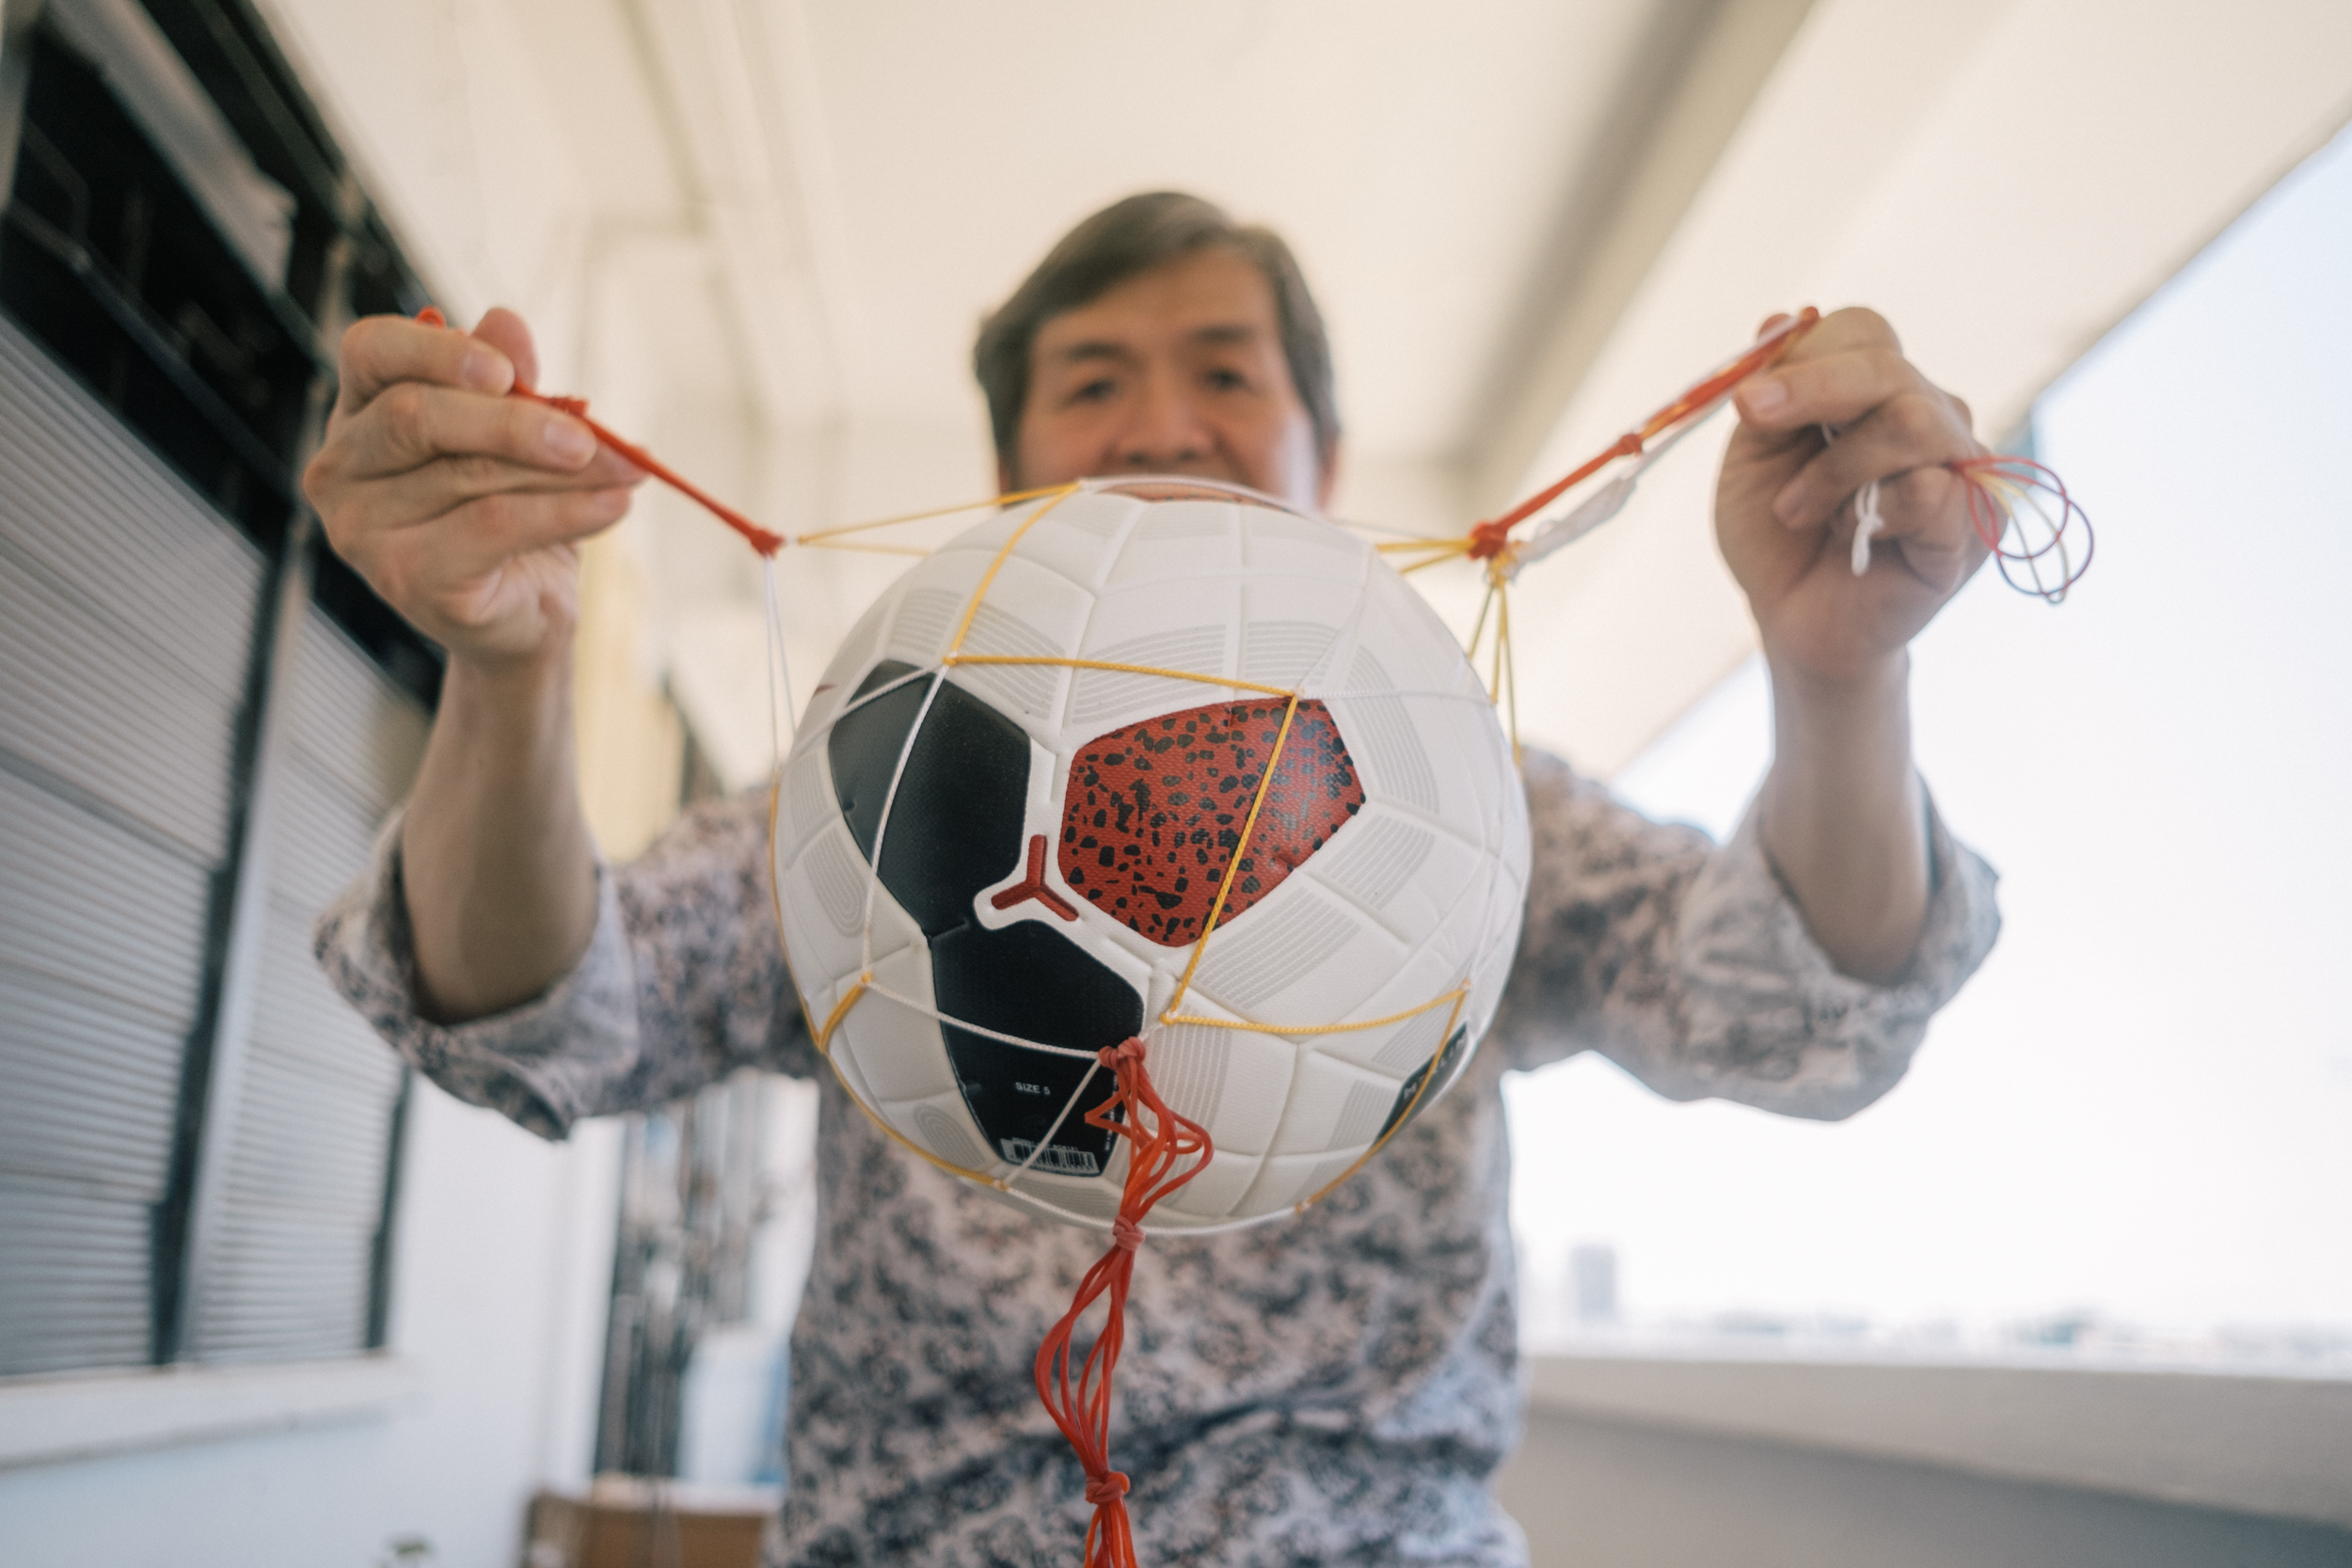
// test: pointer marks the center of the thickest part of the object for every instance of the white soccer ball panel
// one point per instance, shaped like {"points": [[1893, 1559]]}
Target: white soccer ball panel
{"points": [[1333, 1107], [1176, 540], [946, 1128], [1193, 632], [1234, 1081], [1212, 1196], [1300, 957], [895, 1043], [1281, 645], [1285, 1182], [1282, 544]]}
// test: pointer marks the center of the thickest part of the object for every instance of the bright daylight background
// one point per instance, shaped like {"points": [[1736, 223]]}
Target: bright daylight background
{"points": [[2133, 1132]]}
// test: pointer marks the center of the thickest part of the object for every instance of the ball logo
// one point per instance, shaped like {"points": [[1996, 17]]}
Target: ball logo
{"points": [[1167, 761]]}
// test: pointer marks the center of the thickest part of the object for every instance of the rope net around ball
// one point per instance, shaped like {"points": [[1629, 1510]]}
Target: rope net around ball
{"points": [[2020, 510], [1166, 1149]]}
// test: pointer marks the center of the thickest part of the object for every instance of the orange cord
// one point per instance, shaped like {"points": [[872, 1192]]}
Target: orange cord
{"points": [[1160, 1140], [766, 543], [1488, 539]]}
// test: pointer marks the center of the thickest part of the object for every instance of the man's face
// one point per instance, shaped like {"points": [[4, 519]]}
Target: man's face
{"points": [[1175, 371]]}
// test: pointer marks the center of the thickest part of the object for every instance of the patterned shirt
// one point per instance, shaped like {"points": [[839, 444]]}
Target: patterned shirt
{"points": [[1337, 1386]]}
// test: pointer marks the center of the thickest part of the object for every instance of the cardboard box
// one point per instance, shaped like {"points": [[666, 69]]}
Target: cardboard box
{"points": [[631, 1522]]}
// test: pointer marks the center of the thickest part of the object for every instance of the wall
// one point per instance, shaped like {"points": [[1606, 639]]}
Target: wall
{"points": [[502, 1261], [1593, 1494]]}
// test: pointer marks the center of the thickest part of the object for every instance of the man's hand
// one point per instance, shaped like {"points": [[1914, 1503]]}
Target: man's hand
{"points": [[1784, 506], [1843, 819], [461, 506]]}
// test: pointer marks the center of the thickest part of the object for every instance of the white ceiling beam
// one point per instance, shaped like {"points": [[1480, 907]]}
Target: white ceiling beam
{"points": [[713, 60], [1692, 81]]}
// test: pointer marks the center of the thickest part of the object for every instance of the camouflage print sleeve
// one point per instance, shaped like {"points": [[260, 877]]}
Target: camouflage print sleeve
{"points": [[1689, 965]]}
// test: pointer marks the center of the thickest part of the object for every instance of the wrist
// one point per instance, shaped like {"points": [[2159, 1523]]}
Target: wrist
{"points": [[1807, 690], [513, 684]]}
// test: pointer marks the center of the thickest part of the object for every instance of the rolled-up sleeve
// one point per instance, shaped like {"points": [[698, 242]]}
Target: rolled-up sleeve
{"points": [[682, 981], [1688, 963]]}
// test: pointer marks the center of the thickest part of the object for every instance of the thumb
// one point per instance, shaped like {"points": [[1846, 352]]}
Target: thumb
{"points": [[505, 331]]}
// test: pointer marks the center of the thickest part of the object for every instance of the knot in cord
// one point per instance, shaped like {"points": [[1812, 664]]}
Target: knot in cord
{"points": [[1126, 1234], [1488, 540], [1106, 1488], [1125, 1054]]}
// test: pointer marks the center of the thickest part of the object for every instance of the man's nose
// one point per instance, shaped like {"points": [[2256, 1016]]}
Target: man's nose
{"points": [[1166, 431]]}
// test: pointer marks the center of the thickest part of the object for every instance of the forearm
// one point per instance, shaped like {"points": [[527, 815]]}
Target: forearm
{"points": [[1843, 821], [497, 866]]}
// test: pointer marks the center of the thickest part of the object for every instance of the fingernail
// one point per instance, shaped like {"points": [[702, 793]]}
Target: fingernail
{"points": [[568, 443], [1763, 397], [481, 370]]}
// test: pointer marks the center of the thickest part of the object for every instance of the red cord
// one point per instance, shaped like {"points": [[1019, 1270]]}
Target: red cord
{"points": [[2058, 513], [1159, 1140], [761, 540], [1492, 536]]}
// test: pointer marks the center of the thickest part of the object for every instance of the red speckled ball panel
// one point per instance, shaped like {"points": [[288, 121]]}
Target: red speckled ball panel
{"points": [[1154, 810]]}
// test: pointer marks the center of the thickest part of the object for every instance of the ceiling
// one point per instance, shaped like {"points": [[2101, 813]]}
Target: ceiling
{"points": [[762, 232]]}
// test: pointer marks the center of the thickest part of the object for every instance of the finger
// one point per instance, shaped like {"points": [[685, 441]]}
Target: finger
{"points": [[413, 424], [1830, 389], [1927, 528], [380, 352], [507, 332], [1914, 429], [424, 496], [417, 566]]}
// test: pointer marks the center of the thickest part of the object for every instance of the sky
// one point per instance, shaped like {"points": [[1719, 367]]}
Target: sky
{"points": [[2141, 1107]]}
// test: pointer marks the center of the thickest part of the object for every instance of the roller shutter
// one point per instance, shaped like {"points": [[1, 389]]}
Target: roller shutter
{"points": [[127, 619], [286, 1266]]}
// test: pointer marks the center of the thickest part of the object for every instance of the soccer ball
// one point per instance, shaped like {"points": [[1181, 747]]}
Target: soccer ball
{"points": [[1005, 823]]}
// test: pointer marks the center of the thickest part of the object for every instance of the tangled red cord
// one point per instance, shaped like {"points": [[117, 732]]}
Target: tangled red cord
{"points": [[1163, 1151]]}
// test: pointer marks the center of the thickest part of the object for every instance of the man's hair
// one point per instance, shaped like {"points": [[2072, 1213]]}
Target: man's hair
{"points": [[1134, 236]]}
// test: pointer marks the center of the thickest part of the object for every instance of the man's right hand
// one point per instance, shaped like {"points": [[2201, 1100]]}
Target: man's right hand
{"points": [[461, 506]]}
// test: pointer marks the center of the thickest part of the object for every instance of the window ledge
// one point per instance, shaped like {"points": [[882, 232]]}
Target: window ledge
{"points": [[2255, 1443], [83, 1416]]}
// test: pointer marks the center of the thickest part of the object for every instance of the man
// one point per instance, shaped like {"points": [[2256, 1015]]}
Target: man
{"points": [[1337, 1388]]}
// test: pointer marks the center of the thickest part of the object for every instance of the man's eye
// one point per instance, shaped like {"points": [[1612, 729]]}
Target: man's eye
{"points": [[1223, 379], [1098, 390]]}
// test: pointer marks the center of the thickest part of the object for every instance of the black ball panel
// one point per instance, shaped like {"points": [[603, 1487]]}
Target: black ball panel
{"points": [[1440, 1070], [955, 824], [955, 828], [1030, 980]]}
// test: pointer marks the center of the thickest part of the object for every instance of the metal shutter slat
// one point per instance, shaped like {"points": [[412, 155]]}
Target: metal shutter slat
{"points": [[303, 1180], [86, 901], [73, 1292], [129, 531]]}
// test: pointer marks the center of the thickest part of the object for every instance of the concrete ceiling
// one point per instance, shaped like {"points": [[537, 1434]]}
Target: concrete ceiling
{"points": [[761, 233], [887, 171]]}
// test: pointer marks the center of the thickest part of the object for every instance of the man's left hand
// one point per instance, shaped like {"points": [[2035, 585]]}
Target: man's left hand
{"points": [[1785, 503]]}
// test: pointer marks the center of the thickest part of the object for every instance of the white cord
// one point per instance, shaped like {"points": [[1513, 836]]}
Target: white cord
{"points": [[779, 670], [1867, 520], [1566, 528], [882, 824]]}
